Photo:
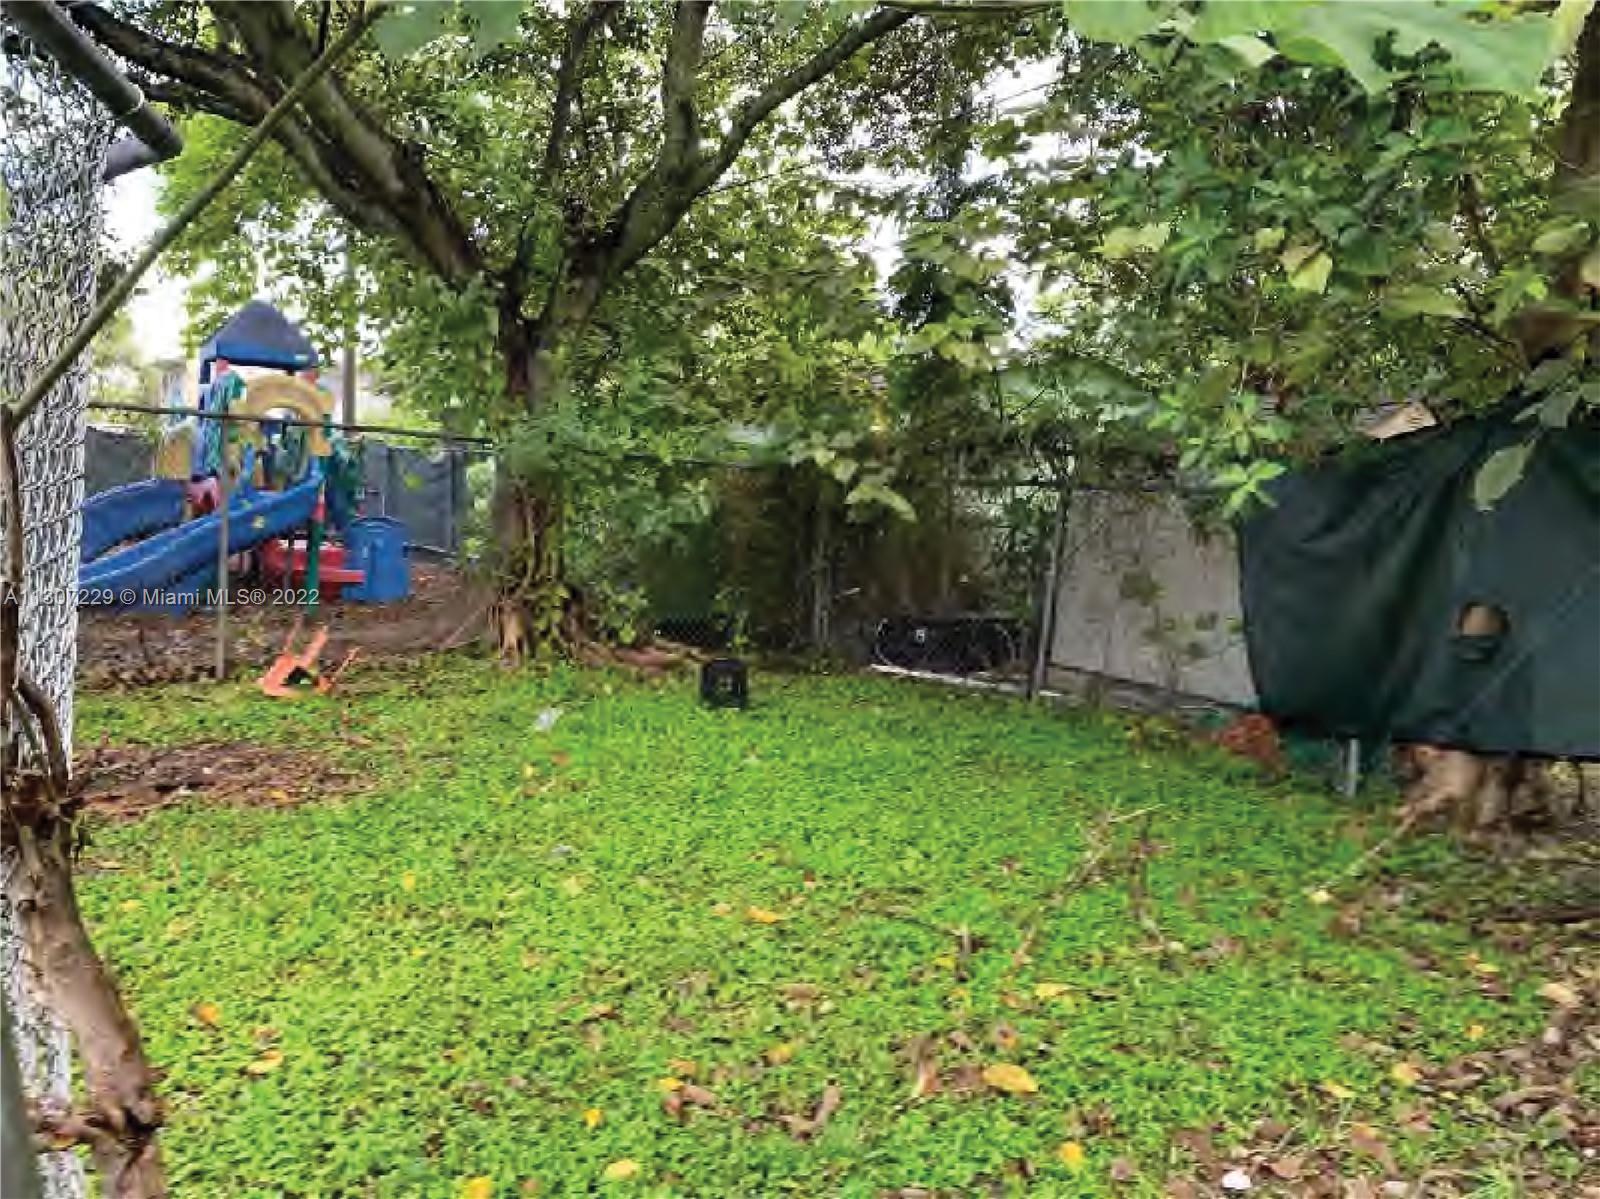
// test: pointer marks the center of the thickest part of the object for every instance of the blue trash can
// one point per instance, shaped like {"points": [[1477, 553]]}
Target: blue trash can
{"points": [[376, 545]]}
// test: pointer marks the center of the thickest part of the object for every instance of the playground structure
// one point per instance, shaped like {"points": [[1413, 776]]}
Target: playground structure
{"points": [[256, 464]]}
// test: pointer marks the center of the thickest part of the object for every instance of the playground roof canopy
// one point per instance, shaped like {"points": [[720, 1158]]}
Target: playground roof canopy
{"points": [[258, 335]]}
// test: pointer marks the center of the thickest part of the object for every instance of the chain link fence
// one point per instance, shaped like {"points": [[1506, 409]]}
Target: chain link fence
{"points": [[53, 142], [783, 565]]}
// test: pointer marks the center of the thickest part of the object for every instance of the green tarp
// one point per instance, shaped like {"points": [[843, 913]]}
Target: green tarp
{"points": [[1355, 580]]}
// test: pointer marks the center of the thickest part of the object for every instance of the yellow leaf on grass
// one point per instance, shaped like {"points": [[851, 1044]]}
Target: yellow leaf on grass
{"points": [[208, 1014], [1475, 1032], [670, 1084], [408, 881], [945, 961], [1561, 995], [269, 1061], [1012, 1079], [1050, 990], [478, 1188], [1405, 1074], [592, 1116], [777, 1054], [1320, 896], [130, 905], [1071, 1155], [620, 1171], [1338, 1090], [761, 916], [573, 884]]}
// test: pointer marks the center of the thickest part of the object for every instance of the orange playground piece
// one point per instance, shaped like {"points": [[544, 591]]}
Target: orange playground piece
{"points": [[290, 670]]}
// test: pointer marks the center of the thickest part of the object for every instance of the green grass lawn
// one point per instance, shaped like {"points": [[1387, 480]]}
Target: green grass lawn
{"points": [[482, 975]]}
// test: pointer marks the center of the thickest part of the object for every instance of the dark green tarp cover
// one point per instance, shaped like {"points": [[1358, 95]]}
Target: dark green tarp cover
{"points": [[1355, 580]]}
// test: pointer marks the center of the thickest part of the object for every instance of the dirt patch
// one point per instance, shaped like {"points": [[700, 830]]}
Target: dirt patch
{"points": [[133, 649], [126, 782]]}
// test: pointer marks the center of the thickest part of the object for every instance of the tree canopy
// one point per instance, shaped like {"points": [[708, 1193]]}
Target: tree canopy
{"points": [[1213, 239]]}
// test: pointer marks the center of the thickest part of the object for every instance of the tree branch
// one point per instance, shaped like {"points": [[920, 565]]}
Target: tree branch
{"points": [[1472, 209], [658, 203], [967, 8], [344, 155], [224, 85], [569, 75], [189, 98], [355, 148], [1578, 150], [682, 171], [278, 45], [214, 79], [680, 119], [759, 107], [569, 80], [1578, 142]]}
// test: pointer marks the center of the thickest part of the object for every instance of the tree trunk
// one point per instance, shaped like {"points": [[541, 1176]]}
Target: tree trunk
{"points": [[123, 1114], [533, 612], [525, 557], [535, 609]]}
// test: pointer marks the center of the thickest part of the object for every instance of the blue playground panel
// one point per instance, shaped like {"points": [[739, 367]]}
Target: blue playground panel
{"points": [[186, 552], [132, 510]]}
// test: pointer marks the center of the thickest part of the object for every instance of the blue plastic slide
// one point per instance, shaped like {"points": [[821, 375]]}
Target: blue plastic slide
{"points": [[124, 513], [183, 559]]}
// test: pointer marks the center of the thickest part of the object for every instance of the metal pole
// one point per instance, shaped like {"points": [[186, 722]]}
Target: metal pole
{"points": [[202, 414], [153, 137], [348, 382], [1350, 783], [223, 481], [821, 584], [1049, 585], [452, 463], [19, 1165]]}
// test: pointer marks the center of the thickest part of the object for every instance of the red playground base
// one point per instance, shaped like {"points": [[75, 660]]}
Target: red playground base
{"points": [[279, 561]]}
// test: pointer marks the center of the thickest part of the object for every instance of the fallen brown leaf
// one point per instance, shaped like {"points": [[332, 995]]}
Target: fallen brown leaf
{"points": [[1365, 1139], [803, 1128], [1288, 1167]]}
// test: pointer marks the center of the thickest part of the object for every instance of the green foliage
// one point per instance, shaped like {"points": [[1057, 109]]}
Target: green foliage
{"points": [[267, 237], [1499, 474], [408, 27], [1261, 218], [1376, 41], [119, 371], [513, 927], [1274, 251]]}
